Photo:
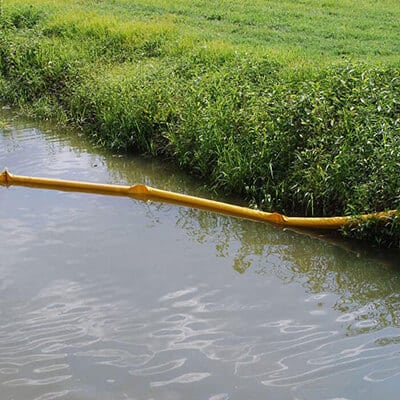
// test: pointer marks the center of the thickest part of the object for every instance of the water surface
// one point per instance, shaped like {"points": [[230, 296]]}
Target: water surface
{"points": [[112, 298]]}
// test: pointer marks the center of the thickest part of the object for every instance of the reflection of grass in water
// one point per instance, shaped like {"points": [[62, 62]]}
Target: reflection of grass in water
{"points": [[366, 283]]}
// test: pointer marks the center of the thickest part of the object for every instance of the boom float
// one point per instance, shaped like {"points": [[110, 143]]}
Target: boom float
{"points": [[145, 193]]}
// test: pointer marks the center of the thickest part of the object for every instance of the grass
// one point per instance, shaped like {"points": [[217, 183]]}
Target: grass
{"points": [[291, 104]]}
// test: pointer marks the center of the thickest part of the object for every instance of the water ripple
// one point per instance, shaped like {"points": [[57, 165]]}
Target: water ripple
{"points": [[82, 318], [36, 382], [382, 375], [186, 378], [69, 323], [159, 369], [53, 395]]}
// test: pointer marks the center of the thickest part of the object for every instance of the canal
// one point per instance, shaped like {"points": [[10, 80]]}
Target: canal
{"points": [[113, 298]]}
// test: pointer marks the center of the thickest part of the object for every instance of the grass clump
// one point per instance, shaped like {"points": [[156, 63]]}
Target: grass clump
{"points": [[295, 136], [382, 234]]}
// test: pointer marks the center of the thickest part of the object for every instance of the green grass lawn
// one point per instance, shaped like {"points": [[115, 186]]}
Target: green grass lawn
{"points": [[294, 105], [308, 31]]}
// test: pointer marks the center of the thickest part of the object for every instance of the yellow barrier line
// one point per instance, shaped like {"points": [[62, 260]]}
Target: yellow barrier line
{"points": [[143, 192]]}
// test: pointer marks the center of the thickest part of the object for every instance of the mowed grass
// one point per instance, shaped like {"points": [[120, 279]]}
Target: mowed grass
{"points": [[291, 104], [302, 31]]}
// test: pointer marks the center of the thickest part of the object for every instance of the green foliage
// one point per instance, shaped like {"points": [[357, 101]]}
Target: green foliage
{"points": [[21, 16], [289, 137], [129, 113], [36, 67], [382, 234]]}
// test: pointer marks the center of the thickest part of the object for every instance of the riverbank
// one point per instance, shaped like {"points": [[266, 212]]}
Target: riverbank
{"points": [[266, 115]]}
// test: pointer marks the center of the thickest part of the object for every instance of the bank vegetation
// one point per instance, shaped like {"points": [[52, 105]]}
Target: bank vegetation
{"points": [[294, 105]]}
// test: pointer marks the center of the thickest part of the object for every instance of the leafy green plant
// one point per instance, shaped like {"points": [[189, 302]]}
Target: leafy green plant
{"points": [[380, 233]]}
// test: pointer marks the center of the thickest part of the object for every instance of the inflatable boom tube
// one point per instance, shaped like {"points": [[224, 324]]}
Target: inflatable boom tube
{"points": [[145, 193]]}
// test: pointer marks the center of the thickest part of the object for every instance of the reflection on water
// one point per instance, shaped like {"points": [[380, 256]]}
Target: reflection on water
{"points": [[317, 265], [111, 298]]}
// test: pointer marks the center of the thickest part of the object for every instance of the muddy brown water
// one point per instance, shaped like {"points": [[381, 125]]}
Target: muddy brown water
{"points": [[113, 298]]}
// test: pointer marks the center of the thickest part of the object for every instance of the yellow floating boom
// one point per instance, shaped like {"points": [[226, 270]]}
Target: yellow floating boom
{"points": [[143, 192]]}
